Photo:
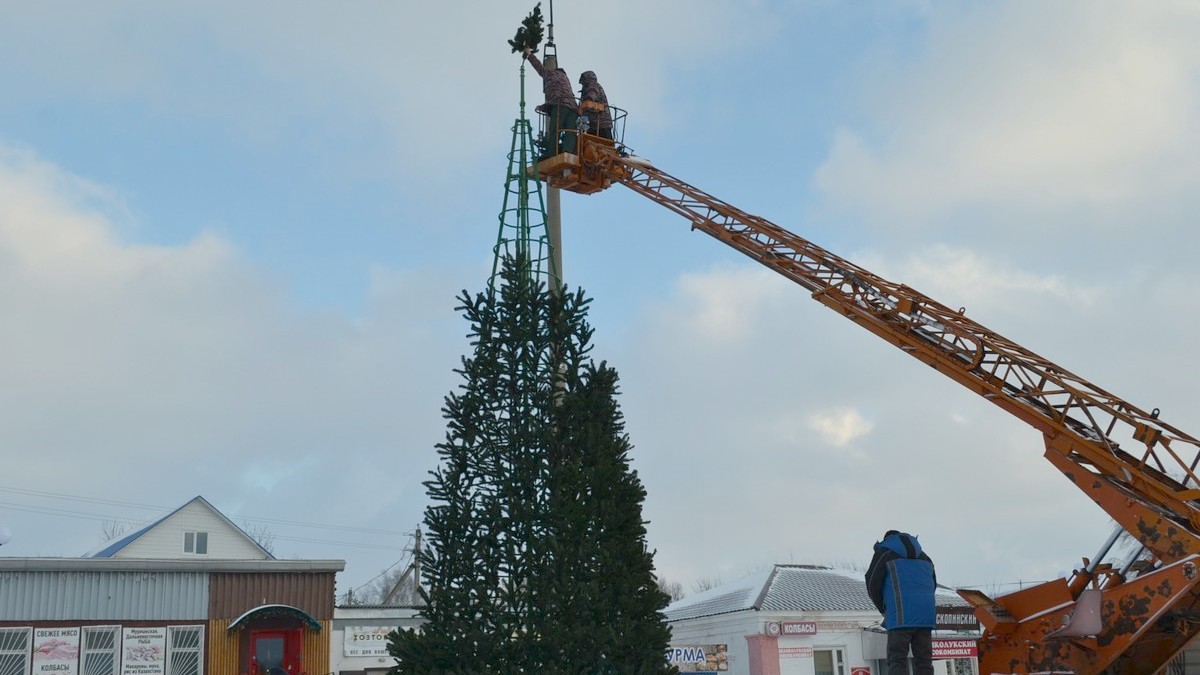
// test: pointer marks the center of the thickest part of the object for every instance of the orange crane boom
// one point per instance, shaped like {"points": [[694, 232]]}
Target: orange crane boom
{"points": [[1144, 615]]}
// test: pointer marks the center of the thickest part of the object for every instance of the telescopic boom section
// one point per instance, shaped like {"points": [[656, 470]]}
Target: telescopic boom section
{"points": [[1147, 612], [1080, 421]]}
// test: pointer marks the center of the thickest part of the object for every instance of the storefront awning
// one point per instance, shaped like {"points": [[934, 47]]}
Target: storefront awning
{"points": [[267, 611]]}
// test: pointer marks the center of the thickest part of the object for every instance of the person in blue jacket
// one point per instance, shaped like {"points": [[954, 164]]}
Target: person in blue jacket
{"points": [[901, 582]]}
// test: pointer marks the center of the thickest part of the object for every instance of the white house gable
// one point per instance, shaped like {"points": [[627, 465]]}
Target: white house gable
{"points": [[195, 530]]}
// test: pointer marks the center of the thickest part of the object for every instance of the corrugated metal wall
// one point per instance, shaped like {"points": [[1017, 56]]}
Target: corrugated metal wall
{"points": [[232, 594], [77, 595], [316, 649], [222, 656]]}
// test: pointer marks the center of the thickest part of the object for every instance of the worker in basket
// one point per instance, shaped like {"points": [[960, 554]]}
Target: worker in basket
{"points": [[593, 106], [560, 108]]}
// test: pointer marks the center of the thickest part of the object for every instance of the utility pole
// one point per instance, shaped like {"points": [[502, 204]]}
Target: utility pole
{"points": [[416, 566], [413, 571]]}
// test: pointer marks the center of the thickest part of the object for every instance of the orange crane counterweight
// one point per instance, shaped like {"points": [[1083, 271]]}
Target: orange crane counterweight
{"points": [[1139, 469]]}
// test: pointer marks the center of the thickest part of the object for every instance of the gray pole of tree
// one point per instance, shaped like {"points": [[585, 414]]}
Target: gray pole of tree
{"points": [[553, 194], [554, 216], [554, 235]]}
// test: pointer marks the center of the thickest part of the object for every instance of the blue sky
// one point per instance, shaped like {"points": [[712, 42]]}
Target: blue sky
{"points": [[231, 236]]}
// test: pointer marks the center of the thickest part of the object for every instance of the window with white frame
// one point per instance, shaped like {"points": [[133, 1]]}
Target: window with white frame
{"points": [[829, 661], [195, 542], [98, 655], [14, 651], [185, 648]]}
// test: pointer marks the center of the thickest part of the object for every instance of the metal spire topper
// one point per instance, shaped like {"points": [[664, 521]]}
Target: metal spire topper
{"points": [[523, 232]]}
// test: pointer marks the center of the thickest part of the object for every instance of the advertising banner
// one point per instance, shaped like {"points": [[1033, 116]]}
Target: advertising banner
{"points": [[954, 649], [365, 640], [55, 651], [143, 650], [699, 658]]}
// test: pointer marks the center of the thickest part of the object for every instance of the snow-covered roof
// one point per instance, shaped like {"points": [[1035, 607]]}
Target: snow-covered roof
{"points": [[800, 587], [731, 597], [788, 588]]}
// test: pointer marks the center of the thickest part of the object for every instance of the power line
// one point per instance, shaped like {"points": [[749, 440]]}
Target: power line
{"points": [[65, 513], [387, 569], [88, 500], [343, 528], [408, 553], [45, 510], [93, 500], [338, 543]]}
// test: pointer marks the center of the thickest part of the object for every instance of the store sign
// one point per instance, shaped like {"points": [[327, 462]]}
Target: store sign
{"points": [[795, 652], [365, 640], [954, 649], [143, 650], [860, 670], [55, 651], [699, 658], [956, 618], [798, 628], [839, 625]]}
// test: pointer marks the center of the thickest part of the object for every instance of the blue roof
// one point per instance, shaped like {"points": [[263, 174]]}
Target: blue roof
{"points": [[112, 548]]}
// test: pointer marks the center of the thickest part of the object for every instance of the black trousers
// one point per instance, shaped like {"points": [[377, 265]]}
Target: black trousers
{"points": [[558, 118], [899, 641]]}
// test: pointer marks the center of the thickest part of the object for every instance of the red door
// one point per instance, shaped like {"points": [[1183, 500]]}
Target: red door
{"points": [[275, 652]]}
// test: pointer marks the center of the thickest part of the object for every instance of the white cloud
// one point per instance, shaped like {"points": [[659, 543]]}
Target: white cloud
{"points": [[159, 372], [839, 427], [954, 274], [1006, 105], [409, 87], [748, 419], [719, 308]]}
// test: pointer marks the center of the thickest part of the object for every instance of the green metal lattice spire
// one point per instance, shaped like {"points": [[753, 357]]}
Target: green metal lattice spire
{"points": [[523, 234]]}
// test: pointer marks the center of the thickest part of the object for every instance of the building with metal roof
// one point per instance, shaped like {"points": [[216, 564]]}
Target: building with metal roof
{"points": [[803, 620], [189, 594]]}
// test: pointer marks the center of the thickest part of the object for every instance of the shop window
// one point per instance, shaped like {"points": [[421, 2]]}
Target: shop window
{"points": [[960, 667], [99, 653], [14, 651], [829, 662], [940, 666], [195, 542], [185, 646]]}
